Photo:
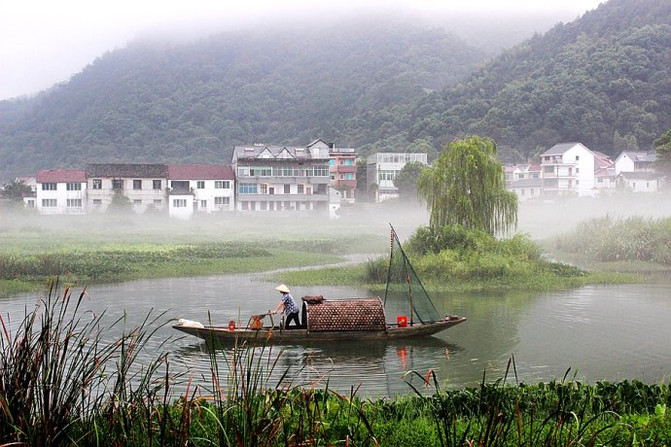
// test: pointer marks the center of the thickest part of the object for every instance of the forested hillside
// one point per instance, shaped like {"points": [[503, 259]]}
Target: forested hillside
{"points": [[352, 84], [395, 85], [603, 80]]}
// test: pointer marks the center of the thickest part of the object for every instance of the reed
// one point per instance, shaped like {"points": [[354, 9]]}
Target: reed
{"points": [[65, 381]]}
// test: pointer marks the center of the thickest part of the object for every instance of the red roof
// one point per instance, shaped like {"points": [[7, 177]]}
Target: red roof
{"points": [[200, 172], [61, 176]]}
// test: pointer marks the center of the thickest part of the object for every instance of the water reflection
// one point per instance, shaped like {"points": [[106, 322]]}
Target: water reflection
{"points": [[600, 332]]}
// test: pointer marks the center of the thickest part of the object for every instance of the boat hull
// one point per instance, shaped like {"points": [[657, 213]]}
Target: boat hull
{"points": [[276, 335]]}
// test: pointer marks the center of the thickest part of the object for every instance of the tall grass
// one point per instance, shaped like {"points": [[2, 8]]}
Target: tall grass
{"points": [[608, 239], [65, 381]]}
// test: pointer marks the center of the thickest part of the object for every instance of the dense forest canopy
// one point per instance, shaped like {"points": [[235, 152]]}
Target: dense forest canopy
{"points": [[603, 80], [350, 83], [394, 85]]}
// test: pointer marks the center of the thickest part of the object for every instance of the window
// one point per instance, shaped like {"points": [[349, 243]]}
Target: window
{"points": [[549, 169], [349, 176], [97, 183], [264, 189], [341, 162], [349, 162], [300, 189], [222, 200], [137, 201], [74, 203], [73, 187], [158, 201], [117, 184], [203, 204], [179, 203], [156, 184], [308, 190], [49, 203], [331, 162], [260, 171], [577, 157], [200, 184], [321, 171], [577, 170], [222, 184], [342, 177], [137, 184], [287, 189], [247, 188], [48, 186], [97, 201]]}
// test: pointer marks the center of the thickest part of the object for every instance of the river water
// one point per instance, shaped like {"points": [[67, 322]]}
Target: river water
{"points": [[612, 332]]}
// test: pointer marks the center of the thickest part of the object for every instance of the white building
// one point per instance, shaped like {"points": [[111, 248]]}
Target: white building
{"points": [[143, 184], [635, 162], [200, 189], [568, 169], [382, 169], [639, 181], [61, 191]]}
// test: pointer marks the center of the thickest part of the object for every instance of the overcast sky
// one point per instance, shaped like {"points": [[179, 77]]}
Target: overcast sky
{"points": [[43, 42]]}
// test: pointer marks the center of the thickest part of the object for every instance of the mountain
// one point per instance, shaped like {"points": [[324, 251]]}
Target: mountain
{"points": [[603, 80], [352, 83]]}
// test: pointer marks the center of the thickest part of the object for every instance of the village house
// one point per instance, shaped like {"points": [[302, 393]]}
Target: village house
{"points": [[382, 169], [629, 161], [143, 184], [639, 181], [568, 169], [282, 178], [61, 191], [342, 165], [200, 189]]}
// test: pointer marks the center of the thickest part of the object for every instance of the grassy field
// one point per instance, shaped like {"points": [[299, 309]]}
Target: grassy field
{"points": [[116, 248]]}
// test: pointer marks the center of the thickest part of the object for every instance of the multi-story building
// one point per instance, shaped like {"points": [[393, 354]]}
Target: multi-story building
{"points": [[383, 167], [629, 161], [281, 178], [343, 171], [143, 184], [200, 189], [568, 168], [61, 191]]}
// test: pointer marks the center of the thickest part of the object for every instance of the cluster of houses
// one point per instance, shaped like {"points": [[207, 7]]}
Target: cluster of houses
{"points": [[573, 169], [315, 178]]}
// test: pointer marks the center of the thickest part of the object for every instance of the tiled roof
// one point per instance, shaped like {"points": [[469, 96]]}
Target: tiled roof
{"points": [[200, 172], [275, 152], [61, 176], [560, 148], [127, 170], [527, 183], [358, 314]]}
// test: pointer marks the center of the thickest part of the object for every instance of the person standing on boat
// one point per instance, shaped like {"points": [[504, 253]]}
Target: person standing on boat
{"points": [[288, 304]]}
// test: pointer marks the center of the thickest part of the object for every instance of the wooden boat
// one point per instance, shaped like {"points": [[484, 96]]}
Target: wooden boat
{"points": [[345, 319]]}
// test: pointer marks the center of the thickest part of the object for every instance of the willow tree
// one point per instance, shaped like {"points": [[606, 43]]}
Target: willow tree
{"points": [[466, 186]]}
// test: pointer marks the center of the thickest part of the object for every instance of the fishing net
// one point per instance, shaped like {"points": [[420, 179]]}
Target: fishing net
{"points": [[405, 291]]}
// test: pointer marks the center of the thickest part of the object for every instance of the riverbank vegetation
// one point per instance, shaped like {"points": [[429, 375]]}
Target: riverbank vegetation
{"points": [[632, 243], [91, 249], [65, 381], [453, 258]]}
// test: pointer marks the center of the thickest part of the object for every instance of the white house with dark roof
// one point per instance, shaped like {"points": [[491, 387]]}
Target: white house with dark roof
{"points": [[629, 161], [61, 191], [282, 178], [568, 169], [200, 189], [527, 188], [144, 184]]}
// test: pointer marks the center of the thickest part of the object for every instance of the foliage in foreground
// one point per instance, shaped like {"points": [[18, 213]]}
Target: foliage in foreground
{"points": [[608, 239], [64, 381]]}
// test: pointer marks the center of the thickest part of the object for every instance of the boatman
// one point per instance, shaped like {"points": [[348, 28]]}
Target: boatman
{"points": [[289, 305]]}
